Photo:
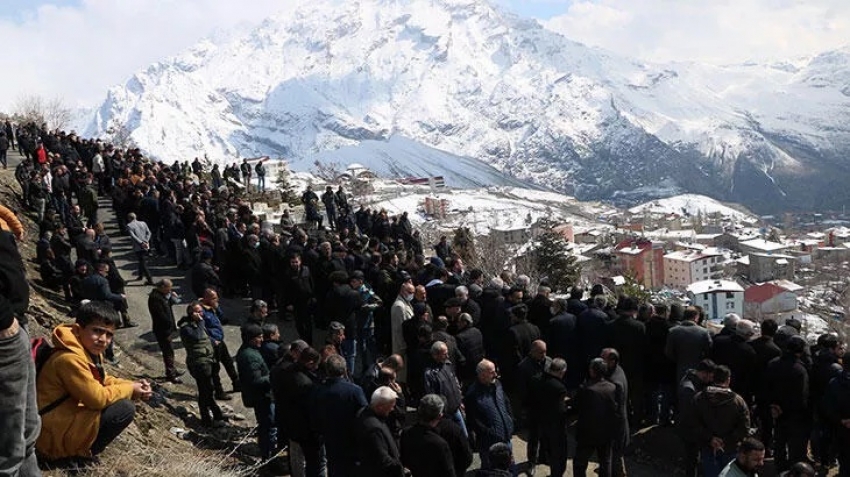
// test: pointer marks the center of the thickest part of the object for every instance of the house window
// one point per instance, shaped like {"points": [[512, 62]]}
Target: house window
{"points": [[730, 305], [730, 295]]}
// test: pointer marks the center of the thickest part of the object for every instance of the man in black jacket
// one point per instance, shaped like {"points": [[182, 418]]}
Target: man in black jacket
{"points": [[599, 403], [470, 343], [162, 317], [440, 379], [378, 454], [786, 391], [204, 275], [628, 336], [488, 411], [292, 388], [423, 451], [295, 293], [341, 305], [836, 412], [550, 400]]}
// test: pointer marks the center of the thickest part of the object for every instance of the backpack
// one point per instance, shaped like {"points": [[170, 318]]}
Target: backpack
{"points": [[41, 351]]}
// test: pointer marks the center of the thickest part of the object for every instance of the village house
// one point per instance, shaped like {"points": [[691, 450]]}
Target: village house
{"points": [[717, 297], [766, 267], [642, 259], [766, 299], [683, 267]]}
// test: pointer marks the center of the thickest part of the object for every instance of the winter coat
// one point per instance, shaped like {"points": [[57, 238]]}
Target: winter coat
{"points": [[470, 343], [734, 352], [786, 383], [196, 342], [162, 316], [659, 368], [688, 388], [425, 453], [333, 413], [292, 387], [488, 412], [458, 444], [836, 405], [592, 332], [378, 454], [628, 336], [95, 287], [598, 407], [204, 276], [440, 379], [140, 233], [212, 322], [14, 290], [253, 375], [687, 344], [70, 429], [719, 412]]}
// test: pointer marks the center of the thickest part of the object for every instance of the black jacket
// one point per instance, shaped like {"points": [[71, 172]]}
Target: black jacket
{"points": [[162, 315], [786, 383], [425, 453], [440, 379], [488, 412], [377, 452], [598, 406], [735, 352], [14, 291], [292, 388], [470, 343], [203, 277], [458, 444], [549, 400], [628, 336], [592, 330]]}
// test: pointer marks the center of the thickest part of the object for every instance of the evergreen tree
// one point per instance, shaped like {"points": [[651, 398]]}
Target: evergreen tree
{"points": [[635, 290], [287, 192], [554, 262]]}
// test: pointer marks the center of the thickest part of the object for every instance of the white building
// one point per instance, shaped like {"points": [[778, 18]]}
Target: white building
{"points": [[717, 297], [683, 267]]}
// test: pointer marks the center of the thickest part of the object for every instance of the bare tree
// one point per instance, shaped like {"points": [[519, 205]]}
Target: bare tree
{"points": [[39, 110], [120, 135], [328, 171]]}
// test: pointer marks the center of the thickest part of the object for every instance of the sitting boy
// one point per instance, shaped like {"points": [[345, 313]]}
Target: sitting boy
{"points": [[82, 409]]}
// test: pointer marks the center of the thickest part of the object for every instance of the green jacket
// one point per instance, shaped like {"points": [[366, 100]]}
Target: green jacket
{"points": [[196, 342], [253, 376]]}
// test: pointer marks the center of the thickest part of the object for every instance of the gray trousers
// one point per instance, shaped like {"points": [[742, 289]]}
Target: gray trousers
{"points": [[19, 418]]}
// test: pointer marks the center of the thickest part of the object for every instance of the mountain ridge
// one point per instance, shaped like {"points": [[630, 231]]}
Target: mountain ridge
{"points": [[463, 77]]}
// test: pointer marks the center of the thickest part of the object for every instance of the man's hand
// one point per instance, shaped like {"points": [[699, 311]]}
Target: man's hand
{"points": [[716, 444], [142, 390]]}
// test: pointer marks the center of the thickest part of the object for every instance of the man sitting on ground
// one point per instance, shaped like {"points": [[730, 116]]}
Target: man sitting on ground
{"points": [[82, 409]]}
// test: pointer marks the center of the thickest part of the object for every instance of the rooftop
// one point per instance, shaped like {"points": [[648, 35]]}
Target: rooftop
{"points": [[714, 286], [691, 255], [763, 245]]}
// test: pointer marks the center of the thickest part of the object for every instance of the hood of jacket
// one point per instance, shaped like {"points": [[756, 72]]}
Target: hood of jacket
{"points": [[65, 339], [717, 396]]}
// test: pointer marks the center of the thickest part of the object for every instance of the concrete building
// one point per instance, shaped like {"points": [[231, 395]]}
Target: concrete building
{"points": [[717, 297], [643, 259], [768, 299], [683, 267], [767, 267]]}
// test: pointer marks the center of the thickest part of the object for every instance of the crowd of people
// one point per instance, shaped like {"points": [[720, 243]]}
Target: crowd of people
{"points": [[385, 326]]}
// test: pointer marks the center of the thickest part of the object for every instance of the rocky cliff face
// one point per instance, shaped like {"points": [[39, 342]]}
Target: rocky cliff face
{"points": [[464, 78]]}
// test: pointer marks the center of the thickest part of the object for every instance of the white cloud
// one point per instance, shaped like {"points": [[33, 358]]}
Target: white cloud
{"points": [[78, 52], [715, 31]]}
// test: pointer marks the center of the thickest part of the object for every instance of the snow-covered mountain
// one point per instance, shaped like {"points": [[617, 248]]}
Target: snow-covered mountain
{"points": [[332, 78]]}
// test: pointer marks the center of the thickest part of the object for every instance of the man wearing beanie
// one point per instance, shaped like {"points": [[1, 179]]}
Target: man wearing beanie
{"points": [[256, 387]]}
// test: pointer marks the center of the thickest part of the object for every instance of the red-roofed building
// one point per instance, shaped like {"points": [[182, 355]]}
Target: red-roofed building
{"points": [[643, 259], [761, 301]]}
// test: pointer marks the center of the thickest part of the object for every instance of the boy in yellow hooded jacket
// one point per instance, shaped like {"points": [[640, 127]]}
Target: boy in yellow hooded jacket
{"points": [[82, 408]]}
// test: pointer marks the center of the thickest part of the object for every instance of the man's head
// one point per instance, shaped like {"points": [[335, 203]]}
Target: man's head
{"points": [[746, 329], [611, 357], [260, 309], [515, 295], [336, 332], [462, 293], [420, 293], [544, 291], [832, 343], [95, 326], [486, 372], [210, 298], [252, 335], [518, 313], [309, 358], [295, 261], [538, 350], [165, 286], [750, 454], [406, 291], [691, 313], [597, 369], [440, 352], [393, 361], [769, 327], [453, 306], [801, 469], [722, 376], [102, 269], [705, 371], [335, 366], [464, 321], [558, 368], [731, 320], [383, 401], [430, 409], [271, 332], [356, 279], [501, 456], [296, 348]]}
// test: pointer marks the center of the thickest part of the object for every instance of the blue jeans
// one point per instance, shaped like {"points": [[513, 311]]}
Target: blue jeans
{"points": [[349, 352], [19, 418], [266, 430], [457, 417], [713, 463]]}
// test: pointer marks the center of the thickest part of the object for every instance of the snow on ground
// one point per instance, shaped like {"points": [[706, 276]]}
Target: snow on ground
{"points": [[690, 204]]}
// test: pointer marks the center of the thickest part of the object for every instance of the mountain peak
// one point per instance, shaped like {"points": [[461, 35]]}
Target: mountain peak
{"points": [[462, 77]]}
